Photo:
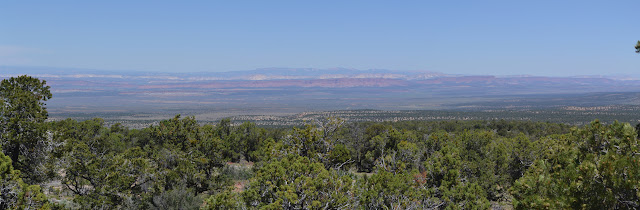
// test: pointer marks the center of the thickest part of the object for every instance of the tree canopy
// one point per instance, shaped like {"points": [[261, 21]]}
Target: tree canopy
{"points": [[14, 193], [22, 114]]}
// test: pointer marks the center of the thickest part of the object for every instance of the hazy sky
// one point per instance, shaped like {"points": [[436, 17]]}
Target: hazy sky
{"points": [[554, 38]]}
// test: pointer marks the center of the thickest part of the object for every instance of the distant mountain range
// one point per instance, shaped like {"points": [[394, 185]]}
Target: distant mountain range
{"points": [[78, 80], [280, 74], [257, 74], [325, 89]]}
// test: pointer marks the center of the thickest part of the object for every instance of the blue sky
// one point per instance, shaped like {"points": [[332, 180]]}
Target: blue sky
{"points": [[549, 38]]}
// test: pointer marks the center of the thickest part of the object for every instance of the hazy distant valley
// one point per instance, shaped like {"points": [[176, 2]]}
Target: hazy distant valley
{"points": [[288, 96]]}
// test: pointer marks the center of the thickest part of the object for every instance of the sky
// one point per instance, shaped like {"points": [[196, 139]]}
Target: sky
{"points": [[545, 38]]}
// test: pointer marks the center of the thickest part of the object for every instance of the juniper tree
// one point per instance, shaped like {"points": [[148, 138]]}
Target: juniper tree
{"points": [[22, 116]]}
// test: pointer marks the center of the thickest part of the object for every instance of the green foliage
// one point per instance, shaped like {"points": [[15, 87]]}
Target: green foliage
{"points": [[14, 193], [225, 200], [267, 150], [22, 134], [178, 198], [638, 47], [594, 167], [187, 153], [240, 140], [339, 156], [118, 168], [444, 170], [638, 130], [98, 168], [385, 190], [317, 143], [297, 182], [176, 133], [178, 162]]}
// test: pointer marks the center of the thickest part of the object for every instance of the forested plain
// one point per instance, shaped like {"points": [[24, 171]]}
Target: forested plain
{"points": [[329, 163]]}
